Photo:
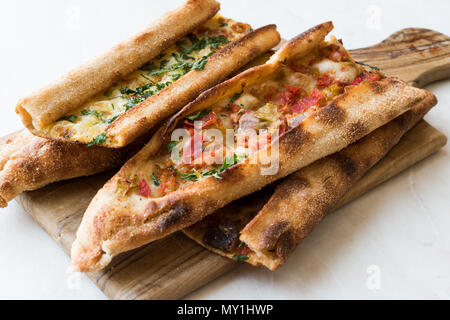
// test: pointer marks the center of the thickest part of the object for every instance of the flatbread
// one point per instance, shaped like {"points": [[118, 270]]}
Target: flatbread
{"points": [[153, 195], [120, 95], [28, 162], [274, 221]]}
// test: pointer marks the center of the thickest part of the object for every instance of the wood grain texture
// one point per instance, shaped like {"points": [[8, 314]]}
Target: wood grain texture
{"points": [[175, 266]]}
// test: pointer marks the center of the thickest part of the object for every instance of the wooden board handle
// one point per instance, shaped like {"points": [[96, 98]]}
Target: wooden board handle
{"points": [[418, 56]]}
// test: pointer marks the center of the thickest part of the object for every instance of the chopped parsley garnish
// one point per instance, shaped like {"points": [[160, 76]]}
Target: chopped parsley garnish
{"points": [[200, 64], [196, 44], [240, 257], [199, 115], [224, 24], [70, 118], [236, 96], [155, 181], [171, 145], [181, 64], [111, 120], [368, 65], [216, 42], [145, 77], [211, 173], [92, 113], [188, 176], [183, 61], [229, 162], [139, 94], [127, 91], [100, 139]]}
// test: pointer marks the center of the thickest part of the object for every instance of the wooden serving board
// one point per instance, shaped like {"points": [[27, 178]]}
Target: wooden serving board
{"points": [[175, 266]]}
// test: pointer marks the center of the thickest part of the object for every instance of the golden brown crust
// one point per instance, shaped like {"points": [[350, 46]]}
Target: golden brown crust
{"points": [[277, 219], [138, 120], [304, 198], [70, 91], [114, 223], [29, 162]]}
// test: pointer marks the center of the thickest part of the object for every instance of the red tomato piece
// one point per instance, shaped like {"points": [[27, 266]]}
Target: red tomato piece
{"points": [[234, 107], [325, 81], [338, 55], [289, 95], [209, 119], [311, 100], [313, 62], [169, 185], [366, 77], [144, 189], [244, 250]]}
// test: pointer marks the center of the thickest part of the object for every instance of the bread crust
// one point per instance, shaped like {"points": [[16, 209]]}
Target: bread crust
{"points": [[146, 115], [304, 198], [70, 91], [138, 120], [113, 223], [28, 162], [278, 219]]}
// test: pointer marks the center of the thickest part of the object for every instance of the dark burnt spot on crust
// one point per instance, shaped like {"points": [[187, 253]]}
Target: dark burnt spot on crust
{"points": [[403, 121], [174, 216], [224, 236], [348, 166], [293, 140], [377, 87], [356, 131], [285, 245], [331, 115], [273, 233], [232, 174], [392, 82]]}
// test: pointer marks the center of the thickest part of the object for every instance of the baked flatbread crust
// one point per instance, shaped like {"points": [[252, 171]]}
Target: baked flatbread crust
{"points": [[264, 228], [28, 162], [116, 222], [172, 99], [57, 102], [68, 92]]}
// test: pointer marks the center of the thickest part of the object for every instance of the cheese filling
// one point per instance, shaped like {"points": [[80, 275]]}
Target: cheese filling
{"points": [[88, 123], [279, 103]]}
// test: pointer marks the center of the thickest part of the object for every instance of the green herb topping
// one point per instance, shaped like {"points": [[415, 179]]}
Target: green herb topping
{"points": [[100, 139], [70, 118], [240, 257], [155, 180]]}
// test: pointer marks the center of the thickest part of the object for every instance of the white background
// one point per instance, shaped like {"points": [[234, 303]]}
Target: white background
{"points": [[391, 243]]}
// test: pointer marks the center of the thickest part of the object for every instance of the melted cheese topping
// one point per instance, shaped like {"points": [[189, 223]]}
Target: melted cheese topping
{"points": [[280, 102], [88, 123], [341, 72]]}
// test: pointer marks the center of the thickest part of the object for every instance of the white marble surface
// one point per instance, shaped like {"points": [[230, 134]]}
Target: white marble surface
{"points": [[391, 243]]}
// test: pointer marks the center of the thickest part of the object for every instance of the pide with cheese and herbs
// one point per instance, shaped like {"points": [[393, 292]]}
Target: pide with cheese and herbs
{"points": [[89, 123], [142, 86], [265, 227], [310, 92], [281, 102]]}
